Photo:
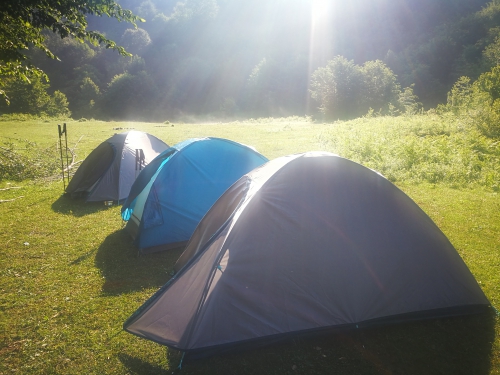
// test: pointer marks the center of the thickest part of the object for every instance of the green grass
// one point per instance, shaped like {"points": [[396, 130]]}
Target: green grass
{"points": [[420, 149], [69, 275]]}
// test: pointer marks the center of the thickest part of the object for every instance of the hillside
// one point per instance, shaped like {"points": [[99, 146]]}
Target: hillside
{"points": [[227, 58]]}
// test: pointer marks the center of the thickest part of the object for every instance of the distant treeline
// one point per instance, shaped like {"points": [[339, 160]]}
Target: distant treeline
{"points": [[259, 58]]}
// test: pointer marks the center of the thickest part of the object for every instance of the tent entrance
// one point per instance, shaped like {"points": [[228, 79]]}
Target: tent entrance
{"points": [[94, 166]]}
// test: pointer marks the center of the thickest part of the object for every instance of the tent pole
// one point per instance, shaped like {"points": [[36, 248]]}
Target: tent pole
{"points": [[66, 140], [60, 151]]}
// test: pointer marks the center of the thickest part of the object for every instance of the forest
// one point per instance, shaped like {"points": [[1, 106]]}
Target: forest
{"points": [[229, 59]]}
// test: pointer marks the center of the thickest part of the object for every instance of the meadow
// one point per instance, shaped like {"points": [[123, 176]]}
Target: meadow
{"points": [[70, 276]]}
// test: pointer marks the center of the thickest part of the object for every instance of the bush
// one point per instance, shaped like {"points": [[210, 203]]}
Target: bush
{"points": [[23, 160], [486, 119], [418, 149], [477, 104]]}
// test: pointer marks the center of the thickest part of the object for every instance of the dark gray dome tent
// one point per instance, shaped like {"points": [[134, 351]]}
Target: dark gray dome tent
{"points": [[306, 243], [108, 172]]}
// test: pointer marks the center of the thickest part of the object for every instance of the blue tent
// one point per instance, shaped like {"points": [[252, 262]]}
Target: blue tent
{"points": [[173, 193]]}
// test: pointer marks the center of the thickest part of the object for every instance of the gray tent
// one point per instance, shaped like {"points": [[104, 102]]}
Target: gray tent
{"points": [[108, 172], [306, 243]]}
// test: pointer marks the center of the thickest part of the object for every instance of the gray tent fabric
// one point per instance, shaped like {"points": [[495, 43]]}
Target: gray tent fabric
{"points": [[306, 243], [108, 172]]}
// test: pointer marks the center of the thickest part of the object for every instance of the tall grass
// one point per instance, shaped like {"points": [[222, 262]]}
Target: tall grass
{"points": [[414, 149], [419, 149]]}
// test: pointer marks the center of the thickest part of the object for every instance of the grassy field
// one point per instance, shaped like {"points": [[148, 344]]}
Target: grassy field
{"points": [[69, 275]]}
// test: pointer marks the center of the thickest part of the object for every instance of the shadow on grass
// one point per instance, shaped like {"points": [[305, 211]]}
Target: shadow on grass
{"points": [[125, 270], [76, 207], [83, 257], [459, 345], [138, 366]]}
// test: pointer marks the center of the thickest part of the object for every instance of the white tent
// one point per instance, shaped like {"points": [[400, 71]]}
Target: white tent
{"points": [[108, 172]]}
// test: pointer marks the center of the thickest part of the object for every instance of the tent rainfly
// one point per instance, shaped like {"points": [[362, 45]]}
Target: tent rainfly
{"points": [[172, 194], [108, 172], [306, 243]]}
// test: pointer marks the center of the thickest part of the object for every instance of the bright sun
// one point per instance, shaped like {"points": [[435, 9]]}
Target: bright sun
{"points": [[320, 31], [320, 11]]}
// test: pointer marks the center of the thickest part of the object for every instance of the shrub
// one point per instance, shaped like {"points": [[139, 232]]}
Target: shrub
{"points": [[417, 149], [22, 160], [477, 104]]}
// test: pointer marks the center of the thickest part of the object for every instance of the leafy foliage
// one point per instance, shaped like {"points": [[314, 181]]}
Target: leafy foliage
{"points": [[460, 95], [380, 86], [194, 9], [32, 98], [345, 90], [409, 101], [420, 148], [274, 87], [58, 105], [477, 103], [135, 40], [200, 52], [129, 96], [22, 23], [88, 93], [204, 51], [23, 160], [337, 88], [469, 46]]}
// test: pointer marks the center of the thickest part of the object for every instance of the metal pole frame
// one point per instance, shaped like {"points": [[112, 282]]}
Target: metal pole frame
{"points": [[62, 131]]}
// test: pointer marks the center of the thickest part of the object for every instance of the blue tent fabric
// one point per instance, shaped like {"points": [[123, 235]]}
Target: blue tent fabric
{"points": [[143, 179], [152, 216], [173, 193]]}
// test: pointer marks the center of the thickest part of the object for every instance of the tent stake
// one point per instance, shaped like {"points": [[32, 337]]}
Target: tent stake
{"points": [[180, 363]]}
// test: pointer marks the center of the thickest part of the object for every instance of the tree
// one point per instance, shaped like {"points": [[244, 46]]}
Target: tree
{"points": [[195, 9], [277, 87], [380, 86], [460, 96], [147, 10], [135, 40], [86, 96], [477, 103], [346, 90], [129, 96], [489, 83], [486, 103], [27, 97], [337, 88], [32, 98], [22, 23], [409, 101], [58, 105]]}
